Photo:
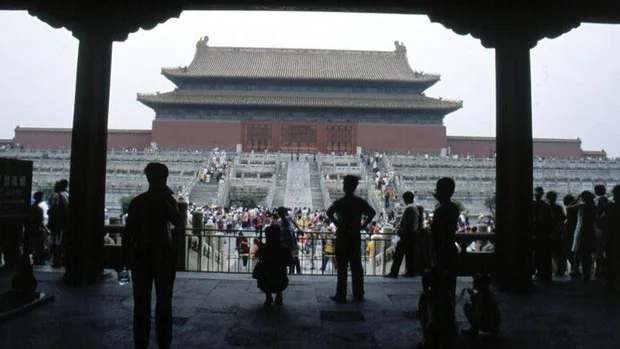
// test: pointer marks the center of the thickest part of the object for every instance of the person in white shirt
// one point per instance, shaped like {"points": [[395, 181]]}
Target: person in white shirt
{"points": [[409, 225], [44, 206]]}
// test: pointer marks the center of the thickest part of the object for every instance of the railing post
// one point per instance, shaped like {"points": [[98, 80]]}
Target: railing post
{"points": [[199, 254], [219, 236], [383, 270]]}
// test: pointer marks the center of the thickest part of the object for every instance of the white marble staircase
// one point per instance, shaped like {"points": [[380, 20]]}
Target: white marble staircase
{"points": [[298, 192]]}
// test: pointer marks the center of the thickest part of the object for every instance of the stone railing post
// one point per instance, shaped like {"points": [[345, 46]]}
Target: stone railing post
{"points": [[181, 239]]}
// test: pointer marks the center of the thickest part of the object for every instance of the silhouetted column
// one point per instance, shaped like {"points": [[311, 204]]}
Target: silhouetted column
{"points": [[88, 159], [514, 164]]}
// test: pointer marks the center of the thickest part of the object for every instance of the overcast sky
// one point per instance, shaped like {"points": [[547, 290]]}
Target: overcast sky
{"points": [[575, 78]]}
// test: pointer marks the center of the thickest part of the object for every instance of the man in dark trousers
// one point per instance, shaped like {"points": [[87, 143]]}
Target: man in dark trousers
{"points": [[149, 249], [58, 214], [611, 224], [557, 218], [443, 231], [346, 213], [444, 251], [543, 227], [406, 231]]}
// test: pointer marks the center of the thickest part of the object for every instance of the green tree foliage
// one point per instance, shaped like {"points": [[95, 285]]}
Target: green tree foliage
{"points": [[248, 201], [458, 203]]}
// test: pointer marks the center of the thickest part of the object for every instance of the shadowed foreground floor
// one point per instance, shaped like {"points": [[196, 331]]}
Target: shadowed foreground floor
{"points": [[225, 311]]}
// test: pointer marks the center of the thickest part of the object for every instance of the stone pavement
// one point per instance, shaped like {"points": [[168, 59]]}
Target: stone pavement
{"points": [[225, 311]]}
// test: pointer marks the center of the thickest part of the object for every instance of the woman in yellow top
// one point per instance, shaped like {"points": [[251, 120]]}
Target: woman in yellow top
{"points": [[370, 249]]}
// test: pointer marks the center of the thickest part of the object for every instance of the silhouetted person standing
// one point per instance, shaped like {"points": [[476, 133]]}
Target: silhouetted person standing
{"points": [[568, 235], [443, 230], [346, 213], [149, 249], [557, 222], [601, 203], [58, 214], [407, 231], [444, 250], [585, 236], [611, 235], [543, 228]]}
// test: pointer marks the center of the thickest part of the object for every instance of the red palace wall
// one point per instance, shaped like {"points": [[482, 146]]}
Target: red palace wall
{"points": [[41, 139], [61, 138], [127, 139], [476, 147], [558, 149], [202, 133], [198, 133], [418, 138], [484, 147]]}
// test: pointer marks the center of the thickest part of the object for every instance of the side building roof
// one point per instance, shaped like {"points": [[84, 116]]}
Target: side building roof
{"points": [[488, 139], [300, 64], [601, 152], [65, 130]]}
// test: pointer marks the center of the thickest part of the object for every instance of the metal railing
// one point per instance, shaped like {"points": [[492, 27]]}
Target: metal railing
{"points": [[216, 251]]}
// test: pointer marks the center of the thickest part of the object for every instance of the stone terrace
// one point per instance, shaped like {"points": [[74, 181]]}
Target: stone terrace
{"points": [[225, 311]]}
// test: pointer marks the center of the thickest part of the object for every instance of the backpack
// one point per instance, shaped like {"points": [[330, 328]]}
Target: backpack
{"points": [[58, 212]]}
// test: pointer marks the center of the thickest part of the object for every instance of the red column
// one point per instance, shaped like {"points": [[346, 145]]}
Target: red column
{"points": [[514, 164], [84, 235], [275, 131]]}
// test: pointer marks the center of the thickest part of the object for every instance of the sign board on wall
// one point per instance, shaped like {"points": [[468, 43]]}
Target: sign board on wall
{"points": [[15, 188]]}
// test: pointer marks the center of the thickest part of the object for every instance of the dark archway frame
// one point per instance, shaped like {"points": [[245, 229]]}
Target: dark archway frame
{"points": [[512, 28]]}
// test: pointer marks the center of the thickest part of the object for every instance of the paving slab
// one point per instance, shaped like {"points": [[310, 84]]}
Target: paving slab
{"points": [[226, 311]]}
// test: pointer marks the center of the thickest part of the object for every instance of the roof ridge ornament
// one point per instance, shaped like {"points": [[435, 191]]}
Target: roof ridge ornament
{"points": [[202, 42], [400, 50]]}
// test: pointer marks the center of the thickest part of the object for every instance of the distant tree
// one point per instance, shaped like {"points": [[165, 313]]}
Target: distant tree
{"points": [[462, 207], [248, 201]]}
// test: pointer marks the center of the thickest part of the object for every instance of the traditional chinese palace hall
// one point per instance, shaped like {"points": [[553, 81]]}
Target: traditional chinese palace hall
{"points": [[299, 100]]}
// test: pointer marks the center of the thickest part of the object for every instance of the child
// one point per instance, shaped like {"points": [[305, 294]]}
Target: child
{"points": [[274, 258], [436, 311], [482, 310]]}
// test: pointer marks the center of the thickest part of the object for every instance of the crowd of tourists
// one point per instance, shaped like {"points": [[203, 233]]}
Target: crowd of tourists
{"points": [[314, 232], [580, 238], [44, 232], [217, 167]]}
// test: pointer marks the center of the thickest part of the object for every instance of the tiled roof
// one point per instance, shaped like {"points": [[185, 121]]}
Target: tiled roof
{"points": [[594, 153], [61, 129], [311, 64], [296, 99], [544, 140]]}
